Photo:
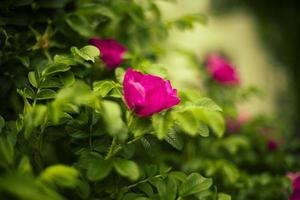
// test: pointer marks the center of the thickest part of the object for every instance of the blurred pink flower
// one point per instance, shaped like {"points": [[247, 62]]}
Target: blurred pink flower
{"points": [[272, 145], [234, 124], [222, 70], [295, 179], [146, 94], [111, 52]]}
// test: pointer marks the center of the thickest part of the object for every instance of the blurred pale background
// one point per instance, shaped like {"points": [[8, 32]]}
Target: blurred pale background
{"points": [[235, 35]]}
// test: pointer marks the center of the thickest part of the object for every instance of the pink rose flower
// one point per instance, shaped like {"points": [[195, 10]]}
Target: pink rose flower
{"points": [[221, 70], [146, 94], [295, 179], [111, 51]]}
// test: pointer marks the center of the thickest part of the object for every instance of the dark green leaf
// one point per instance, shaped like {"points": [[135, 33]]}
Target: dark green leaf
{"points": [[45, 94], [175, 140]]}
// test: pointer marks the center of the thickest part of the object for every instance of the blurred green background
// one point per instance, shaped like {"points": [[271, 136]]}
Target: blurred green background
{"points": [[260, 37]]}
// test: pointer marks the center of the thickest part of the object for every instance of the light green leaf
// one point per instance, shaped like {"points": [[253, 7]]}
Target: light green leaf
{"points": [[34, 118], [32, 79], [162, 124], [127, 168], [55, 68], [208, 104], [203, 130], [120, 73], [193, 184], [214, 119], [24, 165], [61, 175], [64, 59], [103, 87], [187, 122], [223, 196], [112, 116], [88, 53]]}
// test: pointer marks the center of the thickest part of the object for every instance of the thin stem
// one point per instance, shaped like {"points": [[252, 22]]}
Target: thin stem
{"points": [[47, 54], [40, 147], [112, 150], [143, 181], [90, 132], [115, 148]]}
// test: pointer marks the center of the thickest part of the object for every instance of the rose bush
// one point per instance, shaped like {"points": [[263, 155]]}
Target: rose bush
{"points": [[88, 114]]}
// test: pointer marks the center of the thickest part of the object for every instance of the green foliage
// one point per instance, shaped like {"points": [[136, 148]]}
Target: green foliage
{"points": [[66, 132]]}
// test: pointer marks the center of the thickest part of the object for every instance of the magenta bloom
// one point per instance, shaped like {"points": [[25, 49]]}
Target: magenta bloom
{"points": [[295, 178], [272, 145], [222, 70], [146, 94], [111, 51]]}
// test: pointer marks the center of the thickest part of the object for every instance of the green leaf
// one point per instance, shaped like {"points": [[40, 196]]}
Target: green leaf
{"points": [[171, 186], [146, 188], [51, 82], [26, 93], [64, 59], [6, 150], [155, 69], [120, 73], [67, 78], [98, 169], [178, 175], [88, 53], [162, 124], [187, 122], [187, 21], [112, 116], [223, 196], [203, 130], [214, 119], [139, 126], [80, 24], [55, 68], [208, 104], [78, 94], [127, 168], [34, 118], [45, 94], [174, 140], [32, 79], [24, 165], [103, 87], [2, 123], [24, 186], [193, 184], [60, 175]]}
